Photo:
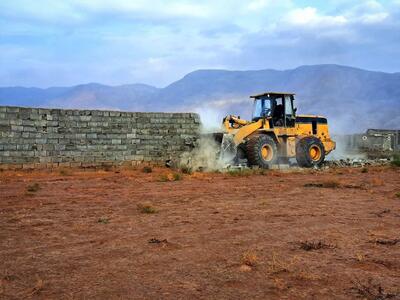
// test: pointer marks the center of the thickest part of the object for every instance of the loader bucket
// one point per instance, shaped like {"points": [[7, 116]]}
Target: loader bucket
{"points": [[226, 152]]}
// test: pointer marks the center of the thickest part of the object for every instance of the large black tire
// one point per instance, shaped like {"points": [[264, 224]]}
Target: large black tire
{"points": [[261, 151], [310, 152]]}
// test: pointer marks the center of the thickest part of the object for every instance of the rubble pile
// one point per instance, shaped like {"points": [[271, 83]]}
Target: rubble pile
{"points": [[356, 162]]}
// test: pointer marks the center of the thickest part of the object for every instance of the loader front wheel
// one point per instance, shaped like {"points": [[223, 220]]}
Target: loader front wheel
{"points": [[262, 151], [310, 152]]}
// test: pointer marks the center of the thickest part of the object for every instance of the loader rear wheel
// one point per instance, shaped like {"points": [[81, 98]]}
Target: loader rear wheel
{"points": [[262, 151], [310, 152]]}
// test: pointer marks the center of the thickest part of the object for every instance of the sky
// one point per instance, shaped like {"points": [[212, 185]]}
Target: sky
{"points": [[47, 43]]}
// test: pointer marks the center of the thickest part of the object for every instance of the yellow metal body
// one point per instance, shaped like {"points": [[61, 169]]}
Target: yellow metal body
{"points": [[286, 137]]}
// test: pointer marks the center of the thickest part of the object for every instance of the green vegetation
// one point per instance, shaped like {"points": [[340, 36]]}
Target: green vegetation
{"points": [[177, 177], [396, 160]]}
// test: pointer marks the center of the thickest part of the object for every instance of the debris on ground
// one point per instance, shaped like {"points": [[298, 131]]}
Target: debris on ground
{"points": [[315, 245], [356, 162], [157, 241]]}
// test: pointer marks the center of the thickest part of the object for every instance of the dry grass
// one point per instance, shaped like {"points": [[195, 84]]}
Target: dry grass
{"points": [[307, 275], [146, 209], [277, 265], [360, 257], [249, 258], [170, 177], [103, 220]]}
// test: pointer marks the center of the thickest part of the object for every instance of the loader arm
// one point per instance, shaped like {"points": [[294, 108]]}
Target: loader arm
{"points": [[246, 130], [231, 123]]}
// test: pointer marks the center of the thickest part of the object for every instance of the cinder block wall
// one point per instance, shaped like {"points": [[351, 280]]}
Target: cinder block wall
{"points": [[35, 137]]}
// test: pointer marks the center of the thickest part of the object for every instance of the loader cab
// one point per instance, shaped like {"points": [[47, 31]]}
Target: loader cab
{"points": [[277, 108]]}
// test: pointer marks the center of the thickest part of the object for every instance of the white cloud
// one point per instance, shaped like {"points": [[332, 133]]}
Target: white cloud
{"points": [[309, 16], [156, 8], [374, 18], [258, 4]]}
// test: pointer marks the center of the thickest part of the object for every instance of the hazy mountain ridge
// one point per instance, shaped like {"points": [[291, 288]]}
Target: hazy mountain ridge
{"points": [[353, 99]]}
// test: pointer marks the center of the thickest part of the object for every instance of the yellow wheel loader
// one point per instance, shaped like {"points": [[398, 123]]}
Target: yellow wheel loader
{"points": [[275, 134]]}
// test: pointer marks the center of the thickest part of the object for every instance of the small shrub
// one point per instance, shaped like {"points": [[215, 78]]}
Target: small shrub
{"points": [[314, 245], [397, 194], [177, 177], [326, 184], [157, 241], [364, 170], [65, 172], [103, 220], [34, 187], [249, 258], [147, 169], [146, 209]]}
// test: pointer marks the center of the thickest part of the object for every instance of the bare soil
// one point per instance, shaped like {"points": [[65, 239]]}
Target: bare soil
{"points": [[75, 234]]}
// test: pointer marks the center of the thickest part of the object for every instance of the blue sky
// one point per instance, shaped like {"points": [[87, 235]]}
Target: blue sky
{"points": [[65, 42]]}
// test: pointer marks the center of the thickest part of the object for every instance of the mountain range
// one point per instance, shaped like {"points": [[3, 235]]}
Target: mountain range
{"points": [[353, 99]]}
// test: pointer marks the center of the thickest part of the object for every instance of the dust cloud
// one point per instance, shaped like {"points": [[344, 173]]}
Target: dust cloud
{"points": [[206, 155]]}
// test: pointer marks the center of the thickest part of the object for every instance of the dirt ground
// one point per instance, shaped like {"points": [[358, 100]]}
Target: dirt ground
{"points": [[130, 234]]}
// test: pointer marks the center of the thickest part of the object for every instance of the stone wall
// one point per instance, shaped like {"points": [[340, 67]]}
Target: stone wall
{"points": [[35, 137]]}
